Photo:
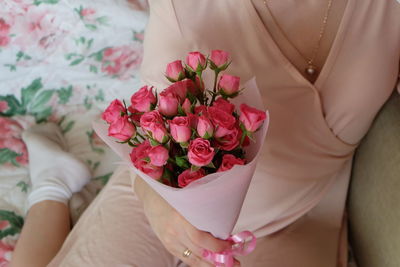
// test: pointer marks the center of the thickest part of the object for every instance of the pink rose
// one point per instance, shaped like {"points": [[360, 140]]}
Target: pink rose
{"points": [[138, 157], [158, 156], [121, 61], [154, 172], [251, 118], [9, 128], [168, 103], [180, 129], [3, 106], [229, 85], [219, 58], [179, 89], [228, 161], [223, 121], [188, 176], [201, 110], [113, 111], [153, 123], [230, 140], [225, 105], [141, 151], [16, 145], [4, 27], [200, 152], [87, 11], [187, 106], [149, 119], [191, 87], [193, 119], [205, 129], [143, 99], [175, 71], [135, 114], [196, 61], [122, 129], [4, 40]]}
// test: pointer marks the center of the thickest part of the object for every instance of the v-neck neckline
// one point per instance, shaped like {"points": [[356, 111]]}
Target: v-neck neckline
{"points": [[332, 55]]}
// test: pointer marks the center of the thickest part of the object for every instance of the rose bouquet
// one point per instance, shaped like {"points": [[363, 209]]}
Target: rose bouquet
{"points": [[190, 144]]}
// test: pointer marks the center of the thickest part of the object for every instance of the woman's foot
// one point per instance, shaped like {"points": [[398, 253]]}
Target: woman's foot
{"points": [[55, 174]]}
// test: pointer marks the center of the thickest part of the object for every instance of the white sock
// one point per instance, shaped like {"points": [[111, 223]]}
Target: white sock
{"points": [[55, 174]]}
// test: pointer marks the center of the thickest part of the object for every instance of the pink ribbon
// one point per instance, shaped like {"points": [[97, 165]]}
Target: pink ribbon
{"points": [[240, 247]]}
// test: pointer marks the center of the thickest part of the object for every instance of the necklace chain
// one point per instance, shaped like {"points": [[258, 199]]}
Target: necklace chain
{"points": [[315, 51]]}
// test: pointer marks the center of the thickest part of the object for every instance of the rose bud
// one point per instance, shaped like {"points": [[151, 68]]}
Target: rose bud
{"points": [[154, 172], [159, 133], [113, 111], [158, 156], [175, 71], [251, 118], [219, 59], [180, 129], [230, 140], [188, 176], [229, 85], [179, 89], [168, 103], [224, 104], [122, 129], [200, 152], [196, 61], [223, 121], [187, 106], [205, 129], [144, 99], [228, 161]]}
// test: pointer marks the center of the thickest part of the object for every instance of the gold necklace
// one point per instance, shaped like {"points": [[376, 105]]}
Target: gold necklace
{"points": [[311, 68]]}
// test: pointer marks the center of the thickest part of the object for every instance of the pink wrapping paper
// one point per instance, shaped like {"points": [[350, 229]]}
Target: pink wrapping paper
{"points": [[212, 203]]}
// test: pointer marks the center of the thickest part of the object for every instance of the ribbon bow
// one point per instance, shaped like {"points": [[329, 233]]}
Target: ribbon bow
{"points": [[239, 248]]}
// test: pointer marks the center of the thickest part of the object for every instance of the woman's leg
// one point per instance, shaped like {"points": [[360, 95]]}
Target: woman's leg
{"points": [[46, 227], [55, 174]]}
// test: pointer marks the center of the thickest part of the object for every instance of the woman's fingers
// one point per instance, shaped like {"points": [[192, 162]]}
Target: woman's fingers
{"points": [[190, 258], [206, 240]]}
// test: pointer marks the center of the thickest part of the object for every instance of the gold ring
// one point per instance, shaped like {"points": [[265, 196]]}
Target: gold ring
{"points": [[187, 253]]}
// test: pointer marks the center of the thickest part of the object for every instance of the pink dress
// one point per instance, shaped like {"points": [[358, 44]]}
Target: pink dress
{"points": [[296, 200]]}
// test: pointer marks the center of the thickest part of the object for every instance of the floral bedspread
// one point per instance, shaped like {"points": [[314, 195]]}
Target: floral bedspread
{"points": [[61, 61]]}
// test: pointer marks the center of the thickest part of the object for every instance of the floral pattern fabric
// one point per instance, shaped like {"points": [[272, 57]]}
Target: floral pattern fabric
{"points": [[61, 61]]}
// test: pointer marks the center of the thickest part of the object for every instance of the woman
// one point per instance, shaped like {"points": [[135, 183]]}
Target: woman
{"points": [[324, 69]]}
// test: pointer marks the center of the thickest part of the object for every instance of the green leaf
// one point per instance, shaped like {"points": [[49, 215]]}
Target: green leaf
{"points": [[103, 178], [93, 69], [43, 115], [19, 55], [182, 162], [39, 102], [194, 168], [28, 93], [211, 165], [7, 155], [16, 223], [71, 55], [14, 106], [68, 127], [91, 27], [98, 56], [153, 142], [99, 96], [64, 94], [50, 2], [77, 61], [87, 103], [24, 186], [11, 67], [89, 43]]}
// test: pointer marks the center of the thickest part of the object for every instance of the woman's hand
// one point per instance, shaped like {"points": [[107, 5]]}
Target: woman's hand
{"points": [[174, 231]]}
